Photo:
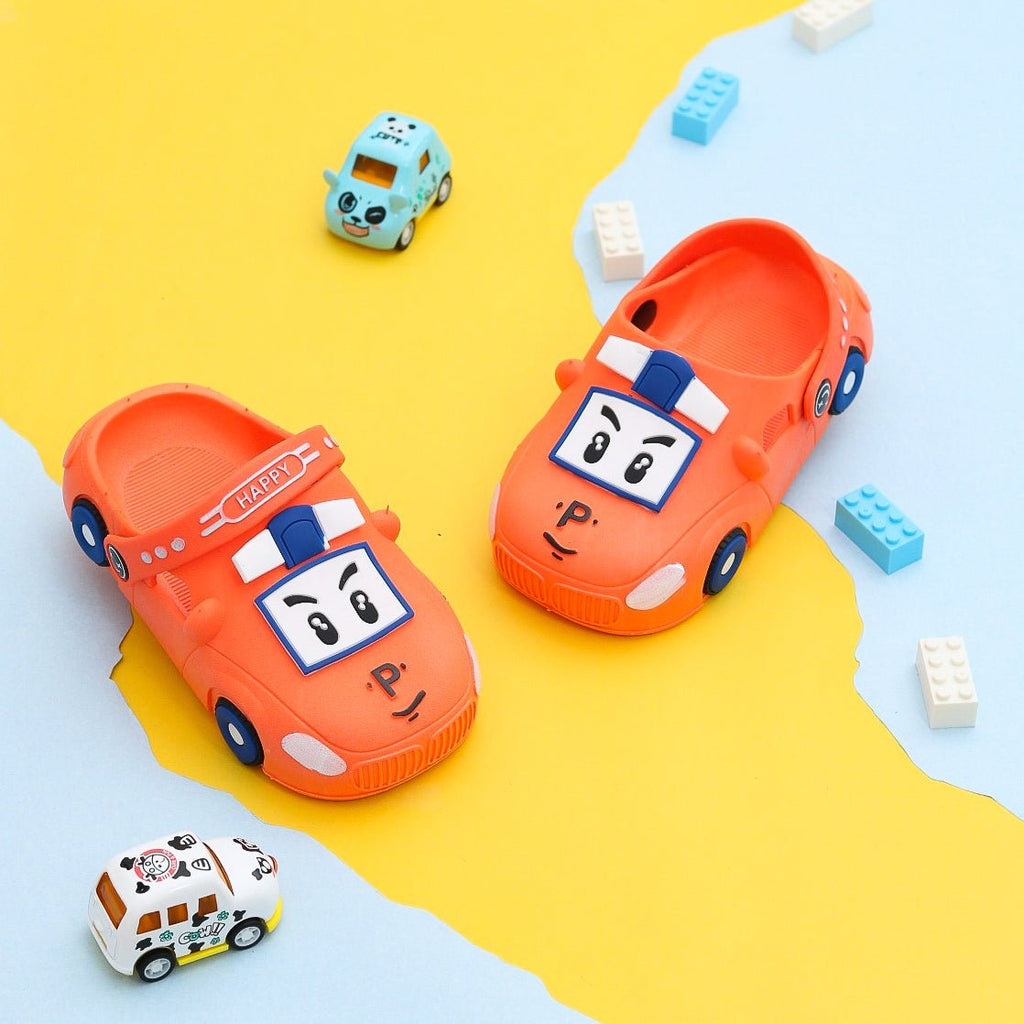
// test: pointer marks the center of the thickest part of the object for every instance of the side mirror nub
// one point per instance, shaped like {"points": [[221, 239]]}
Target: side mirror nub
{"points": [[567, 371]]}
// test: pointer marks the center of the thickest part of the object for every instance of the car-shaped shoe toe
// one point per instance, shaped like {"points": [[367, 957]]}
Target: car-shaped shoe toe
{"points": [[637, 495]]}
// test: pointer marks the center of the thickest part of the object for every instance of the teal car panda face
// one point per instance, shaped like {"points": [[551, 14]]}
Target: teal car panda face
{"points": [[395, 170], [356, 214]]}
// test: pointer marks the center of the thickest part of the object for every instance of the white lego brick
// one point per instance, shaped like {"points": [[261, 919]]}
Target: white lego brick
{"points": [[946, 682], [820, 24], [618, 241]]}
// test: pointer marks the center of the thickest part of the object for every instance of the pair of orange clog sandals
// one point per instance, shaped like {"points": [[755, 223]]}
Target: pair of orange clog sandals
{"points": [[326, 656]]}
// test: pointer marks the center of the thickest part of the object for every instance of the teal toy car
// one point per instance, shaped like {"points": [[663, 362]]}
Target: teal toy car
{"points": [[394, 171]]}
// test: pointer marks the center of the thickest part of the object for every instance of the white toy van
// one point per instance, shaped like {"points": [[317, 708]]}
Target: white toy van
{"points": [[178, 899]]}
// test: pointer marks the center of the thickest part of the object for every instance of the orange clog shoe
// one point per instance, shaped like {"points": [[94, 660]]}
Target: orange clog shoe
{"points": [[674, 438], [324, 654]]}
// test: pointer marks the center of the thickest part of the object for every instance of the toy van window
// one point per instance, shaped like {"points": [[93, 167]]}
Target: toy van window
{"points": [[376, 172], [220, 870], [148, 922], [424, 160], [110, 900], [207, 904], [177, 913]]}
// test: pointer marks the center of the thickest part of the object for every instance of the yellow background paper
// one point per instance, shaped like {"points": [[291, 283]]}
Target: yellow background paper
{"points": [[708, 824]]}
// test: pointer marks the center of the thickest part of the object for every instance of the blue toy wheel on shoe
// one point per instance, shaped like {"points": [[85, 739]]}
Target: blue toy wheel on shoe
{"points": [[239, 733], [849, 382], [90, 530], [725, 562]]}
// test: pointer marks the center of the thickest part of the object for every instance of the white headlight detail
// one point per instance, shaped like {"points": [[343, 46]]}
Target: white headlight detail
{"points": [[312, 754], [657, 588], [494, 510], [476, 665]]}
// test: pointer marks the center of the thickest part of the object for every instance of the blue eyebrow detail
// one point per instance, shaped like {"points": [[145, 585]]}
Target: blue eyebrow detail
{"points": [[610, 414], [660, 439]]}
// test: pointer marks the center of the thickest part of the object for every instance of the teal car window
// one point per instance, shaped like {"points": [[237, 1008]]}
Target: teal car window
{"points": [[376, 172]]}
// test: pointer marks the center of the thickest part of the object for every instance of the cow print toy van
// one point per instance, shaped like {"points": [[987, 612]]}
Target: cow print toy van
{"points": [[178, 899]]}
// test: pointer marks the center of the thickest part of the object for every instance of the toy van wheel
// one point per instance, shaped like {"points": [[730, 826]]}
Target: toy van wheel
{"points": [[247, 934], [90, 530], [725, 562], [155, 966], [239, 733], [849, 382], [405, 238], [444, 190]]}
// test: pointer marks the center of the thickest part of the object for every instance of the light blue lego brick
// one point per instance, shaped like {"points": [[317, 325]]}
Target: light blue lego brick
{"points": [[700, 113], [879, 528]]}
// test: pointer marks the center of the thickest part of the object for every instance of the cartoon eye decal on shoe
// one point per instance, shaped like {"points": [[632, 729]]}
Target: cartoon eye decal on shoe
{"points": [[597, 447], [333, 606], [637, 469], [364, 607], [324, 628], [627, 447]]}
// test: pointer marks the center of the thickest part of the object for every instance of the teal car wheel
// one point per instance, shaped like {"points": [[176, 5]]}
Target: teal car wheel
{"points": [[405, 238]]}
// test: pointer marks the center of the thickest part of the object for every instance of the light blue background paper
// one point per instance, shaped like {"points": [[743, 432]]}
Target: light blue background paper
{"points": [[899, 153]]}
